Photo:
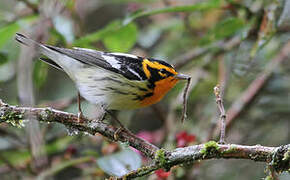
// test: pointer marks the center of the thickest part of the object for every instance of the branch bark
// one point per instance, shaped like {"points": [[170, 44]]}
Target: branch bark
{"points": [[277, 157], [212, 150], [14, 113]]}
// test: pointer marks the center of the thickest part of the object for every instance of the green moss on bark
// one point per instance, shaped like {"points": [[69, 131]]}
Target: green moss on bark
{"points": [[210, 148]]}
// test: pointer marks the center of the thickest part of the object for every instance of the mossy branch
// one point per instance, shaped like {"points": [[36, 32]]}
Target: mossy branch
{"points": [[15, 114], [277, 157]]}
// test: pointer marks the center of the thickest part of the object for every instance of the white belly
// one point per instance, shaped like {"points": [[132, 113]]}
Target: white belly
{"points": [[109, 89]]}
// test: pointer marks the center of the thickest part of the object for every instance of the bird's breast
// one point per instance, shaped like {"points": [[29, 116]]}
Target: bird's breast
{"points": [[161, 88]]}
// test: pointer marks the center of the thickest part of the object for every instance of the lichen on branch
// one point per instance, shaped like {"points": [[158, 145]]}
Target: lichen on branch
{"points": [[277, 157]]}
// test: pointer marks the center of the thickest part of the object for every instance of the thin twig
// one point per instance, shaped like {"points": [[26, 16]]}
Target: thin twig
{"points": [[221, 108], [254, 88], [223, 76]]}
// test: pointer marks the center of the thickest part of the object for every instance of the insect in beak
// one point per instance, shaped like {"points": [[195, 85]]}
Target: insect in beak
{"points": [[185, 93], [182, 76]]}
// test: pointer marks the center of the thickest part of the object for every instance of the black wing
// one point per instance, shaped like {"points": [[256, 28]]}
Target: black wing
{"points": [[127, 65]]}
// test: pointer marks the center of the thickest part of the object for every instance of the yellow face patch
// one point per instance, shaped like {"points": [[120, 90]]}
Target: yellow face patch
{"points": [[161, 74], [155, 65], [162, 86]]}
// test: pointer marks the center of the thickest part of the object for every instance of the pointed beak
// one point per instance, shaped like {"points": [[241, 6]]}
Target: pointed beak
{"points": [[182, 76]]}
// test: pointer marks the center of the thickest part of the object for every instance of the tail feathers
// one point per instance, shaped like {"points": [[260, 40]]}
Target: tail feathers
{"points": [[25, 40], [54, 56], [51, 62], [41, 48]]}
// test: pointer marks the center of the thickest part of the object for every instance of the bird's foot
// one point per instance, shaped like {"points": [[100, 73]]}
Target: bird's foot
{"points": [[80, 117]]}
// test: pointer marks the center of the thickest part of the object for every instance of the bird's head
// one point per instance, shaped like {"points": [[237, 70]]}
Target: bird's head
{"points": [[159, 71]]}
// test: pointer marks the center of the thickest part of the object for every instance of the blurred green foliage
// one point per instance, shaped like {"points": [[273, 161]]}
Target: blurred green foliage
{"points": [[123, 39]]}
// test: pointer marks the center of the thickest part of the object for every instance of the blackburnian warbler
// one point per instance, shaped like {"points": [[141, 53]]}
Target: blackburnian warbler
{"points": [[115, 81]]}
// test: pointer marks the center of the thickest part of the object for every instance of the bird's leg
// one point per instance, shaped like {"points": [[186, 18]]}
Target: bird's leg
{"points": [[121, 128], [80, 113], [104, 113]]}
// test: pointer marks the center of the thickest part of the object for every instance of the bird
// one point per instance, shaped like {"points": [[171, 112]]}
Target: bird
{"points": [[114, 81]]}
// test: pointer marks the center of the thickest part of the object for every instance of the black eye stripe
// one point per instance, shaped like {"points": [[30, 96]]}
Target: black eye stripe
{"points": [[163, 71], [155, 76]]}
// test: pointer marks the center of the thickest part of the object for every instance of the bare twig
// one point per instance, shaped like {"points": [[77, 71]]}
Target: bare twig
{"points": [[238, 106], [223, 76], [221, 108]]}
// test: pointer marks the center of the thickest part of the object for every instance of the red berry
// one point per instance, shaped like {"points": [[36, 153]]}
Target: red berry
{"points": [[161, 174], [183, 138]]}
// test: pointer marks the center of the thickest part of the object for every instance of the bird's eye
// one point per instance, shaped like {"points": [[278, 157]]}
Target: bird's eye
{"points": [[163, 71]]}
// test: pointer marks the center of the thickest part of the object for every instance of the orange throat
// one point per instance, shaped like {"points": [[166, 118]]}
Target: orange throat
{"points": [[161, 88]]}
